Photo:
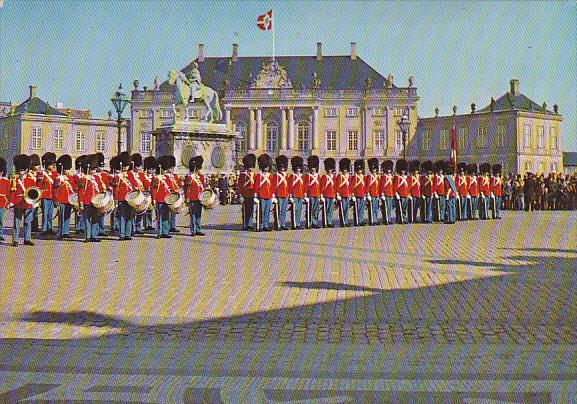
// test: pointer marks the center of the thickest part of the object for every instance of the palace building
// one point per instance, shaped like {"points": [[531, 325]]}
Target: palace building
{"points": [[512, 130], [331, 106]]}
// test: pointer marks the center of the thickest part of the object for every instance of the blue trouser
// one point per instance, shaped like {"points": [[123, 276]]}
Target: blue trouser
{"points": [[388, 209], [360, 210], [282, 206], [148, 219], [139, 221], [163, 219], [497, 206], [101, 224], [474, 206], [428, 206], [314, 201], [401, 209], [47, 214], [172, 221], [125, 216], [330, 207], [91, 217], [345, 202], [298, 207], [195, 211], [20, 216], [484, 207], [2, 211], [440, 208], [414, 207], [248, 207], [79, 221], [464, 213], [451, 210], [64, 214], [264, 213], [375, 209]]}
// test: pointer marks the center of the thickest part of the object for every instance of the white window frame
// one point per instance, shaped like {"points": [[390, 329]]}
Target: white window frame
{"points": [[553, 139], [100, 141], [166, 113], [191, 112], [553, 167], [353, 140], [540, 137], [303, 135], [398, 140], [426, 140], [527, 136], [462, 137], [528, 166], [36, 140], [444, 139], [80, 141], [399, 111], [501, 130], [541, 167], [145, 142], [379, 111], [58, 139], [331, 112], [331, 136], [352, 112], [379, 140], [146, 113], [271, 136], [481, 136]]}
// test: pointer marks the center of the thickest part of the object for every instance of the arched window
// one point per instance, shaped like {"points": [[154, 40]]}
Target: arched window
{"points": [[271, 137], [240, 127], [304, 135]]}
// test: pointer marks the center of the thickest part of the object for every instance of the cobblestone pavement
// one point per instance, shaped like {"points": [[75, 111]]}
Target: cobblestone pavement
{"points": [[494, 298]]}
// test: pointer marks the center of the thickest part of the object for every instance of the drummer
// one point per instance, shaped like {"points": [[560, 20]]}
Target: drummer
{"points": [[194, 184], [104, 176], [150, 169], [64, 186], [159, 190], [125, 183], [140, 178], [90, 185]]}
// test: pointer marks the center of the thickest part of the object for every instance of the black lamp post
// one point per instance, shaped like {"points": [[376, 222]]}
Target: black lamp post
{"points": [[119, 100], [404, 127]]}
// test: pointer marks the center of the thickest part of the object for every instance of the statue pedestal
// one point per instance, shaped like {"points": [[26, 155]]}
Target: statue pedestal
{"points": [[184, 139]]}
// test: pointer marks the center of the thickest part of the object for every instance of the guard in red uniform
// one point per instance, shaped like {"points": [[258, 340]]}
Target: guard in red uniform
{"points": [[402, 190], [485, 190], [246, 190], [263, 188], [440, 191], [4, 195], [497, 190], [359, 191], [462, 191], [387, 191], [414, 198], [150, 166], [450, 194], [105, 178], [427, 190], [46, 179], [473, 184], [281, 190], [125, 182], [34, 172], [313, 190], [64, 186], [160, 189], [90, 185], [373, 191], [296, 190], [139, 176], [22, 210], [194, 184], [329, 191], [176, 182]]}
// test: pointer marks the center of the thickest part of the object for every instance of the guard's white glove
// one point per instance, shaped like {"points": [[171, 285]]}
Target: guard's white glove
{"points": [[255, 199], [397, 195], [241, 199], [291, 199], [322, 199], [339, 198], [482, 195], [492, 195], [274, 200], [306, 198], [354, 198], [436, 195], [410, 197], [369, 198], [468, 196]]}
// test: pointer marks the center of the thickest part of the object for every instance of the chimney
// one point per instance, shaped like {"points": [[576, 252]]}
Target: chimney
{"points": [[319, 51], [353, 51], [514, 87], [235, 52], [32, 92], [200, 52]]}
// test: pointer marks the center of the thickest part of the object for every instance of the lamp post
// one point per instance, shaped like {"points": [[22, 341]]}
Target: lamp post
{"points": [[404, 127], [119, 100]]}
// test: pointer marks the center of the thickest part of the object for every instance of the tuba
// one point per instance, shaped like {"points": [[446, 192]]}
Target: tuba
{"points": [[32, 196]]}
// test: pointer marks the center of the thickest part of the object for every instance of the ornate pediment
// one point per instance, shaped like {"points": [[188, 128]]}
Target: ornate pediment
{"points": [[272, 75]]}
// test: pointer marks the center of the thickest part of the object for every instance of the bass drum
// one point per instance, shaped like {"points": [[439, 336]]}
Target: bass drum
{"points": [[175, 202], [208, 199]]}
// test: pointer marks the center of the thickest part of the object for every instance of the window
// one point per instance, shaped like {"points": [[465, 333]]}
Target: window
{"points": [[554, 167], [304, 135], [527, 166], [331, 140], [80, 138], [353, 140], [378, 111], [444, 140], [500, 135], [331, 112], [379, 137], [166, 113], [37, 138], [540, 137], [426, 140], [527, 135], [191, 112], [352, 112], [146, 113], [145, 142], [271, 128], [398, 140], [100, 141], [240, 127], [400, 111], [58, 139], [481, 136], [462, 137], [553, 138]]}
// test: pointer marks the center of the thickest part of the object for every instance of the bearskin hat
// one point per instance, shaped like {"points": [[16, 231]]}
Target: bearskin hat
{"points": [[199, 161], [78, 162], [2, 165], [449, 168], [344, 164], [171, 161], [64, 163], [22, 162], [136, 159], [281, 162], [297, 163], [164, 162], [472, 168], [359, 165], [48, 159], [439, 165], [427, 166], [264, 161], [497, 169], [313, 162], [34, 160], [249, 161], [100, 157], [150, 163], [462, 167], [125, 159], [373, 164], [485, 168], [114, 164], [401, 165], [89, 162], [192, 164], [414, 165], [387, 166], [330, 164]]}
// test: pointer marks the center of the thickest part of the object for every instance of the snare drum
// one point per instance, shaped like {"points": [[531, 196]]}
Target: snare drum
{"points": [[175, 202], [208, 199]]}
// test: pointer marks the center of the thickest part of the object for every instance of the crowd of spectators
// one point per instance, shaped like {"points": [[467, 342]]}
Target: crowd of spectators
{"points": [[554, 191]]}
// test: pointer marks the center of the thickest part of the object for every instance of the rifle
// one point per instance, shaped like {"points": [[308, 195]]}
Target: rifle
{"points": [[341, 213], [494, 207], [257, 205], [276, 214], [384, 210], [459, 210], [438, 208], [355, 212], [370, 209], [243, 213], [308, 209], [410, 217], [323, 204], [293, 213], [400, 207]]}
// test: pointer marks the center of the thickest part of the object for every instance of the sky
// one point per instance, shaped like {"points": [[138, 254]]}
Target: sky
{"points": [[78, 51]]}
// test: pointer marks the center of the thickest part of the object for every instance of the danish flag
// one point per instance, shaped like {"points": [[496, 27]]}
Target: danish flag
{"points": [[264, 21], [453, 146]]}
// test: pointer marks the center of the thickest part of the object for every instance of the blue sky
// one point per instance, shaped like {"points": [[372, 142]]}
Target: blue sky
{"points": [[77, 51]]}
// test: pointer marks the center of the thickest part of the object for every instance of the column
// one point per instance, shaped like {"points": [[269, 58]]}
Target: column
{"points": [[251, 130], [291, 129], [259, 137], [283, 129], [315, 134], [227, 119]]}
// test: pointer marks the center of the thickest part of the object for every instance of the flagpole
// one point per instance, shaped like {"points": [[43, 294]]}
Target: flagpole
{"points": [[273, 34]]}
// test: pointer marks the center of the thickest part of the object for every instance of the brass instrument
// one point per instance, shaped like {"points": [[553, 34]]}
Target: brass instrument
{"points": [[32, 196]]}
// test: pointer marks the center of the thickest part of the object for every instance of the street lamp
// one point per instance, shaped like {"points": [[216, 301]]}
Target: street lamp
{"points": [[404, 127], [119, 100]]}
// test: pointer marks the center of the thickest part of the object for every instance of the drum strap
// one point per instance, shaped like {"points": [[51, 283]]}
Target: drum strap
{"points": [[196, 179], [49, 177], [126, 182], [21, 186]]}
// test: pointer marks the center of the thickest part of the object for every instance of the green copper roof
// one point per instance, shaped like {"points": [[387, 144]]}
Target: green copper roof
{"points": [[519, 102], [37, 106]]}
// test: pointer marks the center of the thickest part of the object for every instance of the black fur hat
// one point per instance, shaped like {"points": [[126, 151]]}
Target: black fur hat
{"points": [[497, 169], [192, 164], [373, 164], [136, 159], [34, 160], [171, 161], [150, 163], [472, 168], [125, 159], [21, 162], [448, 167], [78, 162], [330, 164], [359, 165], [313, 162], [100, 157], [427, 166], [64, 163], [264, 161], [89, 162], [48, 159], [401, 165], [387, 166], [249, 161], [414, 165], [485, 168], [164, 162], [439, 165], [462, 167], [344, 164], [199, 162], [2, 165], [297, 163], [115, 164], [281, 162]]}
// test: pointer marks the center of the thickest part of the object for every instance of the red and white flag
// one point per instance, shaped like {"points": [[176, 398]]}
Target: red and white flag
{"points": [[453, 146], [264, 21]]}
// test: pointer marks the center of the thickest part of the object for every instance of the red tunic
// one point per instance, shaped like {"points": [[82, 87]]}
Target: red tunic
{"points": [[194, 184], [415, 186], [344, 186], [88, 188], [358, 186], [175, 179], [473, 182], [146, 180], [125, 183], [5, 185], [105, 178], [64, 186], [372, 185], [17, 197], [328, 186], [448, 190], [440, 185], [297, 185], [386, 185], [313, 185], [280, 185], [263, 186], [427, 185], [246, 184], [496, 186], [485, 185], [161, 188], [462, 185], [46, 183], [401, 185]]}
